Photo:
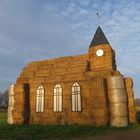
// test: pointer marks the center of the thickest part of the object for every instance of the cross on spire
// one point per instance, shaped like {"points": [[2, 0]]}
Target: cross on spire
{"points": [[98, 18]]}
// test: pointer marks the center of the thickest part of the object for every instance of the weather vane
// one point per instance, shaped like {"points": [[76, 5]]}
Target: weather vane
{"points": [[98, 18]]}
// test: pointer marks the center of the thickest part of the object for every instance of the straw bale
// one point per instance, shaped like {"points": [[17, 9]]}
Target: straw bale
{"points": [[97, 82], [58, 71], [118, 110], [116, 73], [67, 104], [85, 93], [76, 69], [132, 109], [99, 99], [67, 97], [98, 87], [99, 105], [99, 73], [100, 92], [33, 64], [100, 113], [115, 82], [75, 77], [10, 104], [54, 78], [18, 88], [83, 121], [117, 96], [128, 82], [84, 114], [101, 121], [21, 80], [50, 97], [132, 114], [27, 74], [74, 114], [61, 65], [37, 79], [18, 117], [42, 72], [76, 64], [129, 92], [29, 69], [133, 119], [45, 67], [85, 104], [19, 103], [119, 121], [131, 102]]}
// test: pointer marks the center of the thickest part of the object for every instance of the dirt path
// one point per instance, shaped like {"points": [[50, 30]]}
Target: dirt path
{"points": [[115, 136]]}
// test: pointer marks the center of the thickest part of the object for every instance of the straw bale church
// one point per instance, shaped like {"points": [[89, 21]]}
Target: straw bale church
{"points": [[83, 89]]}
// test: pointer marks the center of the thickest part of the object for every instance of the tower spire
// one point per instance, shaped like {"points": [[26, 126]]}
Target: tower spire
{"points": [[99, 38], [98, 17]]}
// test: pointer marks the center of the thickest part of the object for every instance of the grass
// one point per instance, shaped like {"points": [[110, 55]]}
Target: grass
{"points": [[39, 132], [138, 114], [138, 108]]}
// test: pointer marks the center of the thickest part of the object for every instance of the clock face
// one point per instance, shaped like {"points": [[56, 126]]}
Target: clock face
{"points": [[99, 52]]}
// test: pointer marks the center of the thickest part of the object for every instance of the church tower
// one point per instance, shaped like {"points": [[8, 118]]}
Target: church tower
{"points": [[101, 55]]}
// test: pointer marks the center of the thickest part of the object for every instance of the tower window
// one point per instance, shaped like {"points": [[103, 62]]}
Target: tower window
{"points": [[57, 98], [76, 97], [40, 99]]}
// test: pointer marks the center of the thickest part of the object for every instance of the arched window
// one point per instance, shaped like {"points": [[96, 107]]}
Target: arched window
{"points": [[57, 98], [40, 99], [76, 97]]}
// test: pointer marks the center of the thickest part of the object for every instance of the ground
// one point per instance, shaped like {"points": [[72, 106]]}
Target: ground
{"points": [[69, 132]]}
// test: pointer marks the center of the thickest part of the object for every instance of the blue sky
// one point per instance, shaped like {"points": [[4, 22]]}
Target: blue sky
{"points": [[33, 30]]}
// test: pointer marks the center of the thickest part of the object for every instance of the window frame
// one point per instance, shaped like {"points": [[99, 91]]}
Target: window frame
{"points": [[43, 97], [56, 109], [76, 102]]}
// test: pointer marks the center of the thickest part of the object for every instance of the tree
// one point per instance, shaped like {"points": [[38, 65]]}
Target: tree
{"points": [[4, 99]]}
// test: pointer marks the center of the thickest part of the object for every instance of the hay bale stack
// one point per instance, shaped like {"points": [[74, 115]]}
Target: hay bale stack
{"points": [[131, 102], [18, 108], [99, 103], [99, 73], [10, 104], [117, 101], [78, 67]]}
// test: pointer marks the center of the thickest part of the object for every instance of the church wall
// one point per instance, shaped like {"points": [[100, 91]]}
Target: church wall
{"points": [[18, 110], [107, 61], [66, 116], [94, 104], [131, 102], [93, 94], [99, 101]]}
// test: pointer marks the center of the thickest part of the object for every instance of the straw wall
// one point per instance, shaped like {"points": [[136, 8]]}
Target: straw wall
{"points": [[99, 103], [131, 101], [91, 73], [18, 110], [10, 104], [107, 61]]}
